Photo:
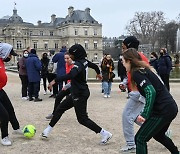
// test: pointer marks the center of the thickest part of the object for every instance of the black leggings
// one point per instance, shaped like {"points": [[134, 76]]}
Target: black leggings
{"points": [[80, 106], [59, 98], [7, 114], [155, 126]]}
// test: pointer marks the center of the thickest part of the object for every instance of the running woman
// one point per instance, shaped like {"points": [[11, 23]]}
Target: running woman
{"points": [[80, 93], [160, 107], [6, 109]]}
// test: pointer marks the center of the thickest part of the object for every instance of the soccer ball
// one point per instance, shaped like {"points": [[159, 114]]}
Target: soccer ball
{"points": [[29, 131]]}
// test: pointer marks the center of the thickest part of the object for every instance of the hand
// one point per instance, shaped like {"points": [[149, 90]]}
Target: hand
{"points": [[140, 119], [50, 86], [108, 65], [99, 76]]}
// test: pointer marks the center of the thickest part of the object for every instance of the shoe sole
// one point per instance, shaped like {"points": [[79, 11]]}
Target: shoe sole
{"points": [[133, 150], [43, 137], [105, 142]]}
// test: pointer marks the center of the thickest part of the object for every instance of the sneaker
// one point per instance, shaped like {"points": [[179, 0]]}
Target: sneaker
{"points": [[49, 116], [24, 98], [168, 133], [45, 134], [37, 100], [31, 99], [45, 93], [106, 138], [129, 148], [108, 96], [5, 141], [17, 132], [105, 96]]}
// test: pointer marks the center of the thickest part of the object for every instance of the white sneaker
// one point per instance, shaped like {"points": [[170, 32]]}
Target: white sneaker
{"points": [[17, 132], [24, 98], [108, 96], [106, 138], [129, 148], [45, 93], [46, 132], [105, 96], [5, 141]]}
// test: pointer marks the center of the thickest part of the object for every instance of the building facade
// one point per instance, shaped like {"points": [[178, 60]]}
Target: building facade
{"points": [[77, 27]]}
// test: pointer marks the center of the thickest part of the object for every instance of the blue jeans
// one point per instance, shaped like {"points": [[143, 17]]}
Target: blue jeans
{"points": [[107, 87]]}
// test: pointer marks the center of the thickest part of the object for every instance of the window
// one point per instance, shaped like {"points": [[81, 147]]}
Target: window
{"points": [[86, 44], [46, 46], [95, 31], [30, 33], [19, 45], [51, 33], [85, 32], [35, 45], [56, 45], [75, 32], [95, 44], [41, 33]]}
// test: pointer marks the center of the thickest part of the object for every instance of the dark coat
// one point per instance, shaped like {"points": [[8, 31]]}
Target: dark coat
{"points": [[44, 63], [59, 59], [164, 64], [33, 67], [121, 70]]}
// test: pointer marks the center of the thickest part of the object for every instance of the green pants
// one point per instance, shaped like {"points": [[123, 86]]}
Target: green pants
{"points": [[154, 127]]}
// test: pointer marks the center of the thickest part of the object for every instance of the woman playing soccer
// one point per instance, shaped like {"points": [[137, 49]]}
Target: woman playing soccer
{"points": [[160, 108]]}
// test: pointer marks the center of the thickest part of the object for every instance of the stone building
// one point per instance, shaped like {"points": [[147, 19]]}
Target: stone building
{"points": [[77, 27]]}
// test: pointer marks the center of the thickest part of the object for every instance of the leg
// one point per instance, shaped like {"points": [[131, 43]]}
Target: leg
{"points": [[4, 118], [44, 84], [105, 86], [59, 98], [36, 89], [154, 127], [30, 90], [80, 105], [62, 107], [109, 88], [131, 111], [9, 108]]}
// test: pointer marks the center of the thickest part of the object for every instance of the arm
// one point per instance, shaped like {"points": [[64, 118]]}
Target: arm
{"points": [[37, 64], [93, 66], [145, 85]]}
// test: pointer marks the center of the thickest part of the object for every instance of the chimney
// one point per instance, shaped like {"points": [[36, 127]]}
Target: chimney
{"points": [[53, 18], [39, 22], [87, 10], [70, 11]]}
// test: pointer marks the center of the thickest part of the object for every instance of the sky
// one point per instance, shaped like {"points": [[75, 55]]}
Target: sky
{"points": [[114, 15]]}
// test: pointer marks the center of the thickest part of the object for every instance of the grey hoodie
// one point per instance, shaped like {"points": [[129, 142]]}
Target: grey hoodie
{"points": [[5, 49]]}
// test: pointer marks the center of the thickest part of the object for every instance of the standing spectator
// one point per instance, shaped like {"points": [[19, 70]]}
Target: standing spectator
{"points": [[107, 68], [52, 73], [33, 66], [61, 69], [160, 108], [23, 74], [165, 66], [154, 60], [104, 57], [121, 71], [6, 109], [44, 71]]}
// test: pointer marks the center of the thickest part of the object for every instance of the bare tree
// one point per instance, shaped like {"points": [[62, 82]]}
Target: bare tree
{"points": [[146, 25]]}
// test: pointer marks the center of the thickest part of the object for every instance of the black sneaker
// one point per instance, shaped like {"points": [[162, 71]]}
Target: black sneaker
{"points": [[37, 99], [31, 99]]}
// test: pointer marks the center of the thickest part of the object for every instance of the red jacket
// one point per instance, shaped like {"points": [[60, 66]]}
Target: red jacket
{"points": [[3, 76], [68, 69], [144, 58]]}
